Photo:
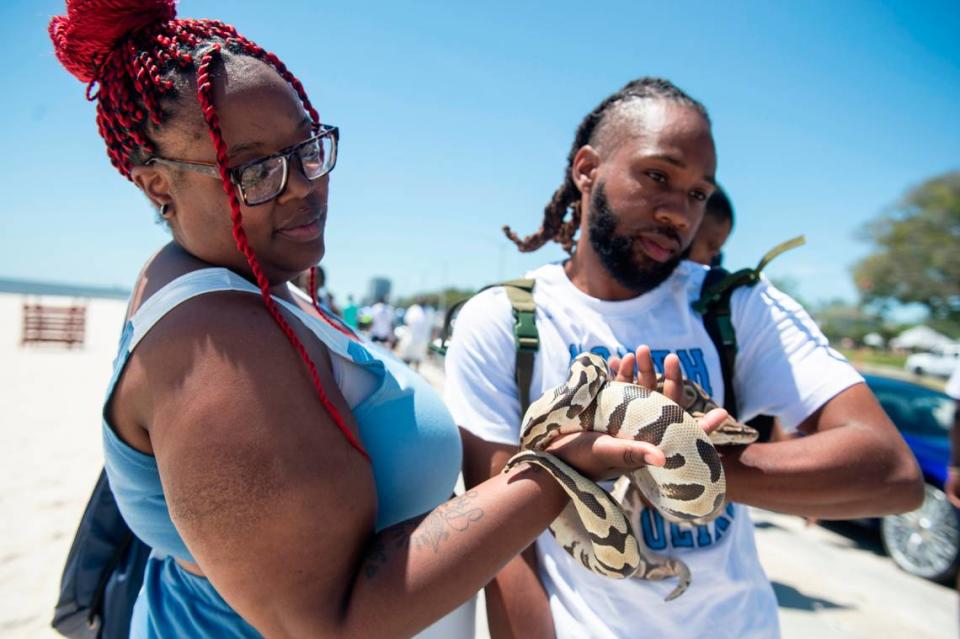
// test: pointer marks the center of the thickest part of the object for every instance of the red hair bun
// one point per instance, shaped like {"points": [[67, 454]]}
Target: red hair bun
{"points": [[92, 28]]}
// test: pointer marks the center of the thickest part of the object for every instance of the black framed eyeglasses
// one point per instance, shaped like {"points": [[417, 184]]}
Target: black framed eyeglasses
{"points": [[263, 179]]}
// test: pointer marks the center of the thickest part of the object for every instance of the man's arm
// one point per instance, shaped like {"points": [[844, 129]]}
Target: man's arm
{"points": [[517, 603], [481, 392], [851, 463]]}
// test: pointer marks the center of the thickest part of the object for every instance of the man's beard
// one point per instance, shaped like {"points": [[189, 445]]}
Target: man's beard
{"points": [[631, 269]]}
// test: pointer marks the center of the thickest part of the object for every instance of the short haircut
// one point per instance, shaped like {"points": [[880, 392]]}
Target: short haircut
{"points": [[719, 206]]}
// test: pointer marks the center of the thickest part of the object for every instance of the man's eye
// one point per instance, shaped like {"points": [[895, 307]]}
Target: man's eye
{"points": [[656, 176], [700, 196]]}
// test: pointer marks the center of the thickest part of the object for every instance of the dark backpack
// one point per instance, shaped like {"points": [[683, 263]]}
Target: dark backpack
{"points": [[103, 572], [713, 306]]}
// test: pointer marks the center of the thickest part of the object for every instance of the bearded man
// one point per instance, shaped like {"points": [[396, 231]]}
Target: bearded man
{"points": [[638, 176]]}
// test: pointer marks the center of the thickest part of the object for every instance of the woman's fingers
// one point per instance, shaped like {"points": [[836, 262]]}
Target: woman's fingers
{"points": [[672, 378], [627, 454], [712, 420], [646, 373], [600, 456]]}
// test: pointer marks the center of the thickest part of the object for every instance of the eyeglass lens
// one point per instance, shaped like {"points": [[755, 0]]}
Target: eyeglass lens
{"points": [[264, 180]]}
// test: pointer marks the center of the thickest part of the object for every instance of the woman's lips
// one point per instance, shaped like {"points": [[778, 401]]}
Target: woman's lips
{"points": [[303, 232]]}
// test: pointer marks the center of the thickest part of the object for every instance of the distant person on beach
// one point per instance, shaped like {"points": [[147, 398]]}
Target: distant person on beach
{"points": [[637, 178], [418, 325], [292, 481], [715, 229], [382, 317], [351, 313]]}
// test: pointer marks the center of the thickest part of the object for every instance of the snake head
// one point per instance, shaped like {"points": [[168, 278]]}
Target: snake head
{"points": [[545, 417], [696, 402]]}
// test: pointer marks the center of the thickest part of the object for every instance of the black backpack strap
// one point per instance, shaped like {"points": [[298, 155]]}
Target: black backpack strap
{"points": [[520, 294], [714, 306]]}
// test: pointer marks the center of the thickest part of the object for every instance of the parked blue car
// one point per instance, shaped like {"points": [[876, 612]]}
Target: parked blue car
{"points": [[925, 542]]}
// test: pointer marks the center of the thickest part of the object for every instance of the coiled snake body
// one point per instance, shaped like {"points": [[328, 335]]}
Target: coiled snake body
{"points": [[595, 528]]}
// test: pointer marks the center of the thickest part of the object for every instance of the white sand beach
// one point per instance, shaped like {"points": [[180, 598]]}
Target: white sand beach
{"points": [[50, 455]]}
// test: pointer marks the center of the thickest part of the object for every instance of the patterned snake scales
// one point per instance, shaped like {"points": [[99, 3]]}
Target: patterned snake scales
{"points": [[595, 528]]}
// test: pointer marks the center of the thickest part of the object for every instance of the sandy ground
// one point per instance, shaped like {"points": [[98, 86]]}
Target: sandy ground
{"points": [[831, 583], [49, 455]]}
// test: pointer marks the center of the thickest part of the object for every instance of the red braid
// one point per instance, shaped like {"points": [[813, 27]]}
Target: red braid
{"points": [[124, 47]]}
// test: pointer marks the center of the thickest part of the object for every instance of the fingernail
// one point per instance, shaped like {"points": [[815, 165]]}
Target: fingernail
{"points": [[651, 459]]}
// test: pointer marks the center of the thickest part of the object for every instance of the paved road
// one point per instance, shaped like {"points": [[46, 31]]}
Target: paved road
{"points": [[835, 583]]}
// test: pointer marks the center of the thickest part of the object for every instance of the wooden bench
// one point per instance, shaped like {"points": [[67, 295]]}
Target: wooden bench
{"points": [[45, 324]]}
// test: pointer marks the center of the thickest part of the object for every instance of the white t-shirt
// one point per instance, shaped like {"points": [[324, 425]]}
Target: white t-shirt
{"points": [[382, 321], [784, 367], [419, 321], [953, 384]]}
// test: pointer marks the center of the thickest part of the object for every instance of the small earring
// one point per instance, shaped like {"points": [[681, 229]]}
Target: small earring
{"points": [[163, 210]]}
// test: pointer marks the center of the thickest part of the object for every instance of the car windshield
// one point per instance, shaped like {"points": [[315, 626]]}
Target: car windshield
{"points": [[916, 410]]}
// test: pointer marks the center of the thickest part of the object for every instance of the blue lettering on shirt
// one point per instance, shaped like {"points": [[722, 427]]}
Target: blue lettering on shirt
{"points": [[658, 356], [720, 527], [692, 361], [695, 368], [703, 537], [652, 525], [680, 537]]}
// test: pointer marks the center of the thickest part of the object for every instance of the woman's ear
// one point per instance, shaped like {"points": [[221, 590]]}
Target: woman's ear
{"points": [[155, 184], [584, 168]]}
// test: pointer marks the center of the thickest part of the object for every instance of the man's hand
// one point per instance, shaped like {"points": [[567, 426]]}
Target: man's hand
{"points": [[638, 369]]}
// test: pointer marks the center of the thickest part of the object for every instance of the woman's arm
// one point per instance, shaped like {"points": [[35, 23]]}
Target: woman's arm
{"points": [[516, 601], [278, 509]]}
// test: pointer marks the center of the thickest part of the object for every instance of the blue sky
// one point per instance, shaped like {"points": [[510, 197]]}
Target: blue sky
{"points": [[456, 118]]}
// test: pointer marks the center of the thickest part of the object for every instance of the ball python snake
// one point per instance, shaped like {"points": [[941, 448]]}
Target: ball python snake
{"points": [[595, 527]]}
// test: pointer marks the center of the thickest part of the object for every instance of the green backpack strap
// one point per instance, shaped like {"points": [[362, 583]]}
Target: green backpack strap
{"points": [[527, 340], [714, 307]]}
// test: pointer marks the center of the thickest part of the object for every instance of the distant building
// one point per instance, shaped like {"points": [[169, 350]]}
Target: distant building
{"points": [[379, 288]]}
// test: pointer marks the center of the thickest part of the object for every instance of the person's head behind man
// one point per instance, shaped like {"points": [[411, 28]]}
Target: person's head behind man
{"points": [[642, 166], [714, 230]]}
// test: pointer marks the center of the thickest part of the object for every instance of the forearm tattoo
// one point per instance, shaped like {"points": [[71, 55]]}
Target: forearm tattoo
{"points": [[427, 532], [454, 515]]}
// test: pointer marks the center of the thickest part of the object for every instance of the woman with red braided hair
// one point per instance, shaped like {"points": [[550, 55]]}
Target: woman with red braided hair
{"points": [[283, 499]]}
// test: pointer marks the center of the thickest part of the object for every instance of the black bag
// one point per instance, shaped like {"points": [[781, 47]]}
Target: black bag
{"points": [[103, 572]]}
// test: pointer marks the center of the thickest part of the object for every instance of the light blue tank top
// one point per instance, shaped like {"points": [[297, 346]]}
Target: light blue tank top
{"points": [[413, 443]]}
